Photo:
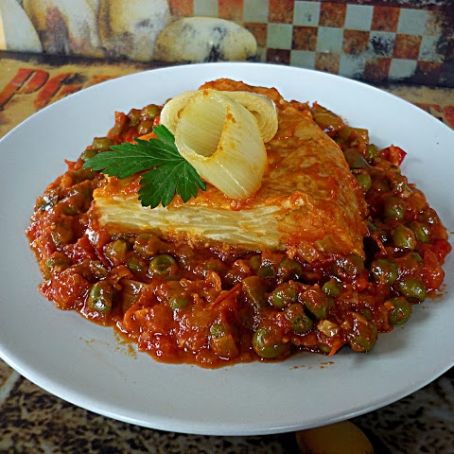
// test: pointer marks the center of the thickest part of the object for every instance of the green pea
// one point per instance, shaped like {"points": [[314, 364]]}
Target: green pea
{"points": [[332, 288], [266, 270], [317, 303], [101, 144], [136, 264], [394, 208], [384, 271], [162, 265], [401, 311], [400, 183], [283, 295], [222, 342], [300, 322], [363, 334], [145, 126], [58, 262], [150, 111], [261, 268], [367, 313], [177, 297], [289, 269], [217, 330], [429, 216], [116, 251], [100, 297], [372, 152], [364, 180], [134, 117], [413, 288], [267, 345], [422, 231], [355, 159], [403, 237], [178, 302]]}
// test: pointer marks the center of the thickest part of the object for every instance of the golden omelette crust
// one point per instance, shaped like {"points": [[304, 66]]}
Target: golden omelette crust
{"points": [[320, 209]]}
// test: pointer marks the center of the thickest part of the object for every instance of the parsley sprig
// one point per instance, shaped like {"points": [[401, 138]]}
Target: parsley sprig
{"points": [[168, 173]]}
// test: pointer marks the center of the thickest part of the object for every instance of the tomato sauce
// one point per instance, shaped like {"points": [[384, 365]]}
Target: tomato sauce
{"points": [[211, 307]]}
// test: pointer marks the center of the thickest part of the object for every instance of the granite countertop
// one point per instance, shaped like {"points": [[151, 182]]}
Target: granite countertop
{"points": [[32, 420]]}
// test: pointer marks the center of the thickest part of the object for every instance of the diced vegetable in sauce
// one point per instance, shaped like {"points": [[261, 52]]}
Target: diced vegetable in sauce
{"points": [[212, 307]]}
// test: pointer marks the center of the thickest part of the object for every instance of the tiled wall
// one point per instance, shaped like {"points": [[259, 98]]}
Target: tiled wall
{"points": [[374, 40]]}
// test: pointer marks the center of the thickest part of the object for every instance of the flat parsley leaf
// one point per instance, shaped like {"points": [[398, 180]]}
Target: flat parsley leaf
{"points": [[168, 173]]}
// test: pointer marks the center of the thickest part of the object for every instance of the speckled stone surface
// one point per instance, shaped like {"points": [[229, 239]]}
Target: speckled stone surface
{"points": [[34, 421], [420, 423], [5, 373]]}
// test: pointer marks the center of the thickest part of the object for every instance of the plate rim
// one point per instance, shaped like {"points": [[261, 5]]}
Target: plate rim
{"points": [[175, 425]]}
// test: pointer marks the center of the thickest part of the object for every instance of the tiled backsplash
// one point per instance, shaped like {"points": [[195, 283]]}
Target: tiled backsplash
{"points": [[373, 40]]}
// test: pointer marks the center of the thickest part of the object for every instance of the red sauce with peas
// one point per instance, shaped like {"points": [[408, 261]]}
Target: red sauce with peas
{"points": [[213, 308]]}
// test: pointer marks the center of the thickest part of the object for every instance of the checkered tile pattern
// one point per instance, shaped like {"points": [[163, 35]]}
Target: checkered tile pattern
{"points": [[372, 42]]}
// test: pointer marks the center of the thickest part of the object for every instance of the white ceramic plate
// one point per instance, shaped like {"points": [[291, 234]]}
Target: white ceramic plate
{"points": [[84, 363]]}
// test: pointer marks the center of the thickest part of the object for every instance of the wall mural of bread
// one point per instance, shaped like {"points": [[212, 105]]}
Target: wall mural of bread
{"points": [[65, 27], [16, 29], [128, 28], [196, 39], [121, 29]]}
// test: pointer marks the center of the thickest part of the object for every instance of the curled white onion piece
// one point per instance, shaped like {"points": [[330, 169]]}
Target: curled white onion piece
{"points": [[222, 134], [222, 140], [261, 107]]}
